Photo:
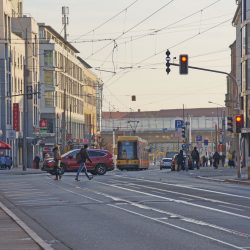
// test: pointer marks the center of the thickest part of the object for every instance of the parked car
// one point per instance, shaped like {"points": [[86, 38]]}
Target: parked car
{"points": [[102, 161], [166, 163]]}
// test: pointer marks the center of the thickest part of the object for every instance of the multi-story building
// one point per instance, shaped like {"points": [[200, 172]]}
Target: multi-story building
{"points": [[69, 90], [241, 69], [204, 128], [18, 65]]}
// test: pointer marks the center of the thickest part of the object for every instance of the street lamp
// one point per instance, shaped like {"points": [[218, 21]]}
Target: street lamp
{"points": [[222, 123]]}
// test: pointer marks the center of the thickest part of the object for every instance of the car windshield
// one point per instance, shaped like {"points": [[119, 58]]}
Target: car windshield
{"points": [[171, 154], [166, 160]]}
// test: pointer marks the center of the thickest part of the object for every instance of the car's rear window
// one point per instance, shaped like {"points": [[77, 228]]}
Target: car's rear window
{"points": [[166, 160], [96, 153]]}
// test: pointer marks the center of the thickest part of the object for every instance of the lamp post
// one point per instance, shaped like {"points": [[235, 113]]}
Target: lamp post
{"points": [[218, 123]]}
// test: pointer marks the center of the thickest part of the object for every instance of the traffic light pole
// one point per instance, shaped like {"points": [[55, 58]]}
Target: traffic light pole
{"points": [[237, 136]]}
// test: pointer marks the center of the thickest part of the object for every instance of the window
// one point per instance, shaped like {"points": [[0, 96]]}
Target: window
{"points": [[48, 77], [93, 153], [243, 41], [49, 100], [48, 58]]}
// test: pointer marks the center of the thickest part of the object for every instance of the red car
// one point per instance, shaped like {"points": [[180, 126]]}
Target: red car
{"points": [[102, 161]]}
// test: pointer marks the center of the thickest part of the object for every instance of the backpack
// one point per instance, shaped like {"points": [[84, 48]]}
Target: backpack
{"points": [[78, 157]]}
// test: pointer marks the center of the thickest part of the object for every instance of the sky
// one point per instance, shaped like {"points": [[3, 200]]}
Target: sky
{"points": [[125, 43]]}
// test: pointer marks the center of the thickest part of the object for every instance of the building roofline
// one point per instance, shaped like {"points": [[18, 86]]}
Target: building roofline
{"points": [[59, 36]]}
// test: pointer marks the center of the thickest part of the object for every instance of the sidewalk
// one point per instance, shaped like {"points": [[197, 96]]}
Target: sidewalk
{"points": [[227, 175], [15, 234], [20, 171]]}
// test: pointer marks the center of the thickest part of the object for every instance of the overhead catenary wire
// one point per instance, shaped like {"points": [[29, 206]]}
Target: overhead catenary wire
{"points": [[131, 28], [111, 18]]}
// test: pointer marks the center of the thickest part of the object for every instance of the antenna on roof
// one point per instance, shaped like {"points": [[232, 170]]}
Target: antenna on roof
{"points": [[65, 20]]}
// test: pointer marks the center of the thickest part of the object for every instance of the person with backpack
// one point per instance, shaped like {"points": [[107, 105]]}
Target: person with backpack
{"points": [[81, 158], [195, 158]]}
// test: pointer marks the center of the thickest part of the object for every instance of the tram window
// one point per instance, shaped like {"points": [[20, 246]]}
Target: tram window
{"points": [[127, 150]]}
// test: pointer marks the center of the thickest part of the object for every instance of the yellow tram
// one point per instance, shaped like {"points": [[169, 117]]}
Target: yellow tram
{"points": [[132, 153]]}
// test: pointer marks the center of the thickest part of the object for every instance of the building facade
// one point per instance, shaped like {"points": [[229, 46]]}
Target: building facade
{"points": [[69, 91], [204, 128]]}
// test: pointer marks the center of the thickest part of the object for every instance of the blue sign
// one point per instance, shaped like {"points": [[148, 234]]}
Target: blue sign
{"points": [[179, 123], [183, 146], [198, 138], [206, 142]]}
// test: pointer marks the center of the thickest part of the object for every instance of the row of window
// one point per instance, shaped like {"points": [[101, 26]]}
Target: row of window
{"points": [[144, 124]]}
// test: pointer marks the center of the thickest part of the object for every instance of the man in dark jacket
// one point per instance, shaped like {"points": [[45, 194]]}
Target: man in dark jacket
{"points": [[195, 158], [180, 161], [83, 156]]}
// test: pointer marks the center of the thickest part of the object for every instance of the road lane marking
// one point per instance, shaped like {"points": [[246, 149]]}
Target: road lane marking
{"points": [[171, 215], [234, 208], [180, 201], [186, 186], [192, 196]]}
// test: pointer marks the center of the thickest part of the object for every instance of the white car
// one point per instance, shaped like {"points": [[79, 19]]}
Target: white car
{"points": [[166, 163]]}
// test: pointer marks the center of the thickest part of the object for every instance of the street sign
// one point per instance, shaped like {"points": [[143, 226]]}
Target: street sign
{"points": [[184, 146], [206, 142], [198, 138], [179, 124]]}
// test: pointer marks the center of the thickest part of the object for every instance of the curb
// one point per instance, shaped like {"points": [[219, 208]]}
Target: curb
{"points": [[27, 229], [240, 182], [246, 183]]}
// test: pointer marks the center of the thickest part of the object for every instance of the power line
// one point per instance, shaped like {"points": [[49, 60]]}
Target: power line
{"points": [[125, 32], [102, 24]]}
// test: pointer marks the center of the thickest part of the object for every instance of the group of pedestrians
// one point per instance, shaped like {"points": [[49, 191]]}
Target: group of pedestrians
{"points": [[81, 157], [195, 161]]}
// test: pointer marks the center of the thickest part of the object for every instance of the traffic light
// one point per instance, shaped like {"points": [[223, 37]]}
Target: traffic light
{"points": [[230, 124], [183, 64], [39, 90], [183, 132], [168, 61], [238, 123], [29, 92]]}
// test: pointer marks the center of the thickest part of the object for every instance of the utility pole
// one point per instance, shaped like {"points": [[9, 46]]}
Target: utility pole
{"points": [[64, 121], [25, 118]]}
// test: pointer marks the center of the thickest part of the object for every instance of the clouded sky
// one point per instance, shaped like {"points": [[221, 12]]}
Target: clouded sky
{"points": [[125, 42]]}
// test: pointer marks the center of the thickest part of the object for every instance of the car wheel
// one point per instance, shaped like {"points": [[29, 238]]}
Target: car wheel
{"points": [[101, 169]]}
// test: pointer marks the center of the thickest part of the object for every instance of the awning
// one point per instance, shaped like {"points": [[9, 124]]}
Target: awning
{"points": [[4, 145]]}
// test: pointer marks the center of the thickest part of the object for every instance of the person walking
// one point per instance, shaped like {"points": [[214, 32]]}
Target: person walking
{"points": [[57, 159], [195, 158], [180, 161], [81, 158], [216, 158]]}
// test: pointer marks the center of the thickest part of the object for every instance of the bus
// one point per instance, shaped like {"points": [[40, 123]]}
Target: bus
{"points": [[132, 153]]}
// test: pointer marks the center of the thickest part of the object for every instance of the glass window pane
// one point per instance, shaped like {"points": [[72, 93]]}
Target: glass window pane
{"points": [[48, 77], [48, 58]]}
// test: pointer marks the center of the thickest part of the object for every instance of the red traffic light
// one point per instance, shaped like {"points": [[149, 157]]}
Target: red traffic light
{"points": [[238, 118], [183, 62], [239, 122], [184, 59]]}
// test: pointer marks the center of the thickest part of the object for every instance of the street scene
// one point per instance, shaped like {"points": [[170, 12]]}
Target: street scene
{"points": [[124, 125], [150, 209]]}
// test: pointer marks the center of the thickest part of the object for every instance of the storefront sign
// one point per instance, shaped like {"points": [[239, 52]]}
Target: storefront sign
{"points": [[16, 117]]}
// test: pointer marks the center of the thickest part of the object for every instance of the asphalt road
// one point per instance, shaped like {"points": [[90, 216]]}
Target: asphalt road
{"points": [[144, 210]]}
